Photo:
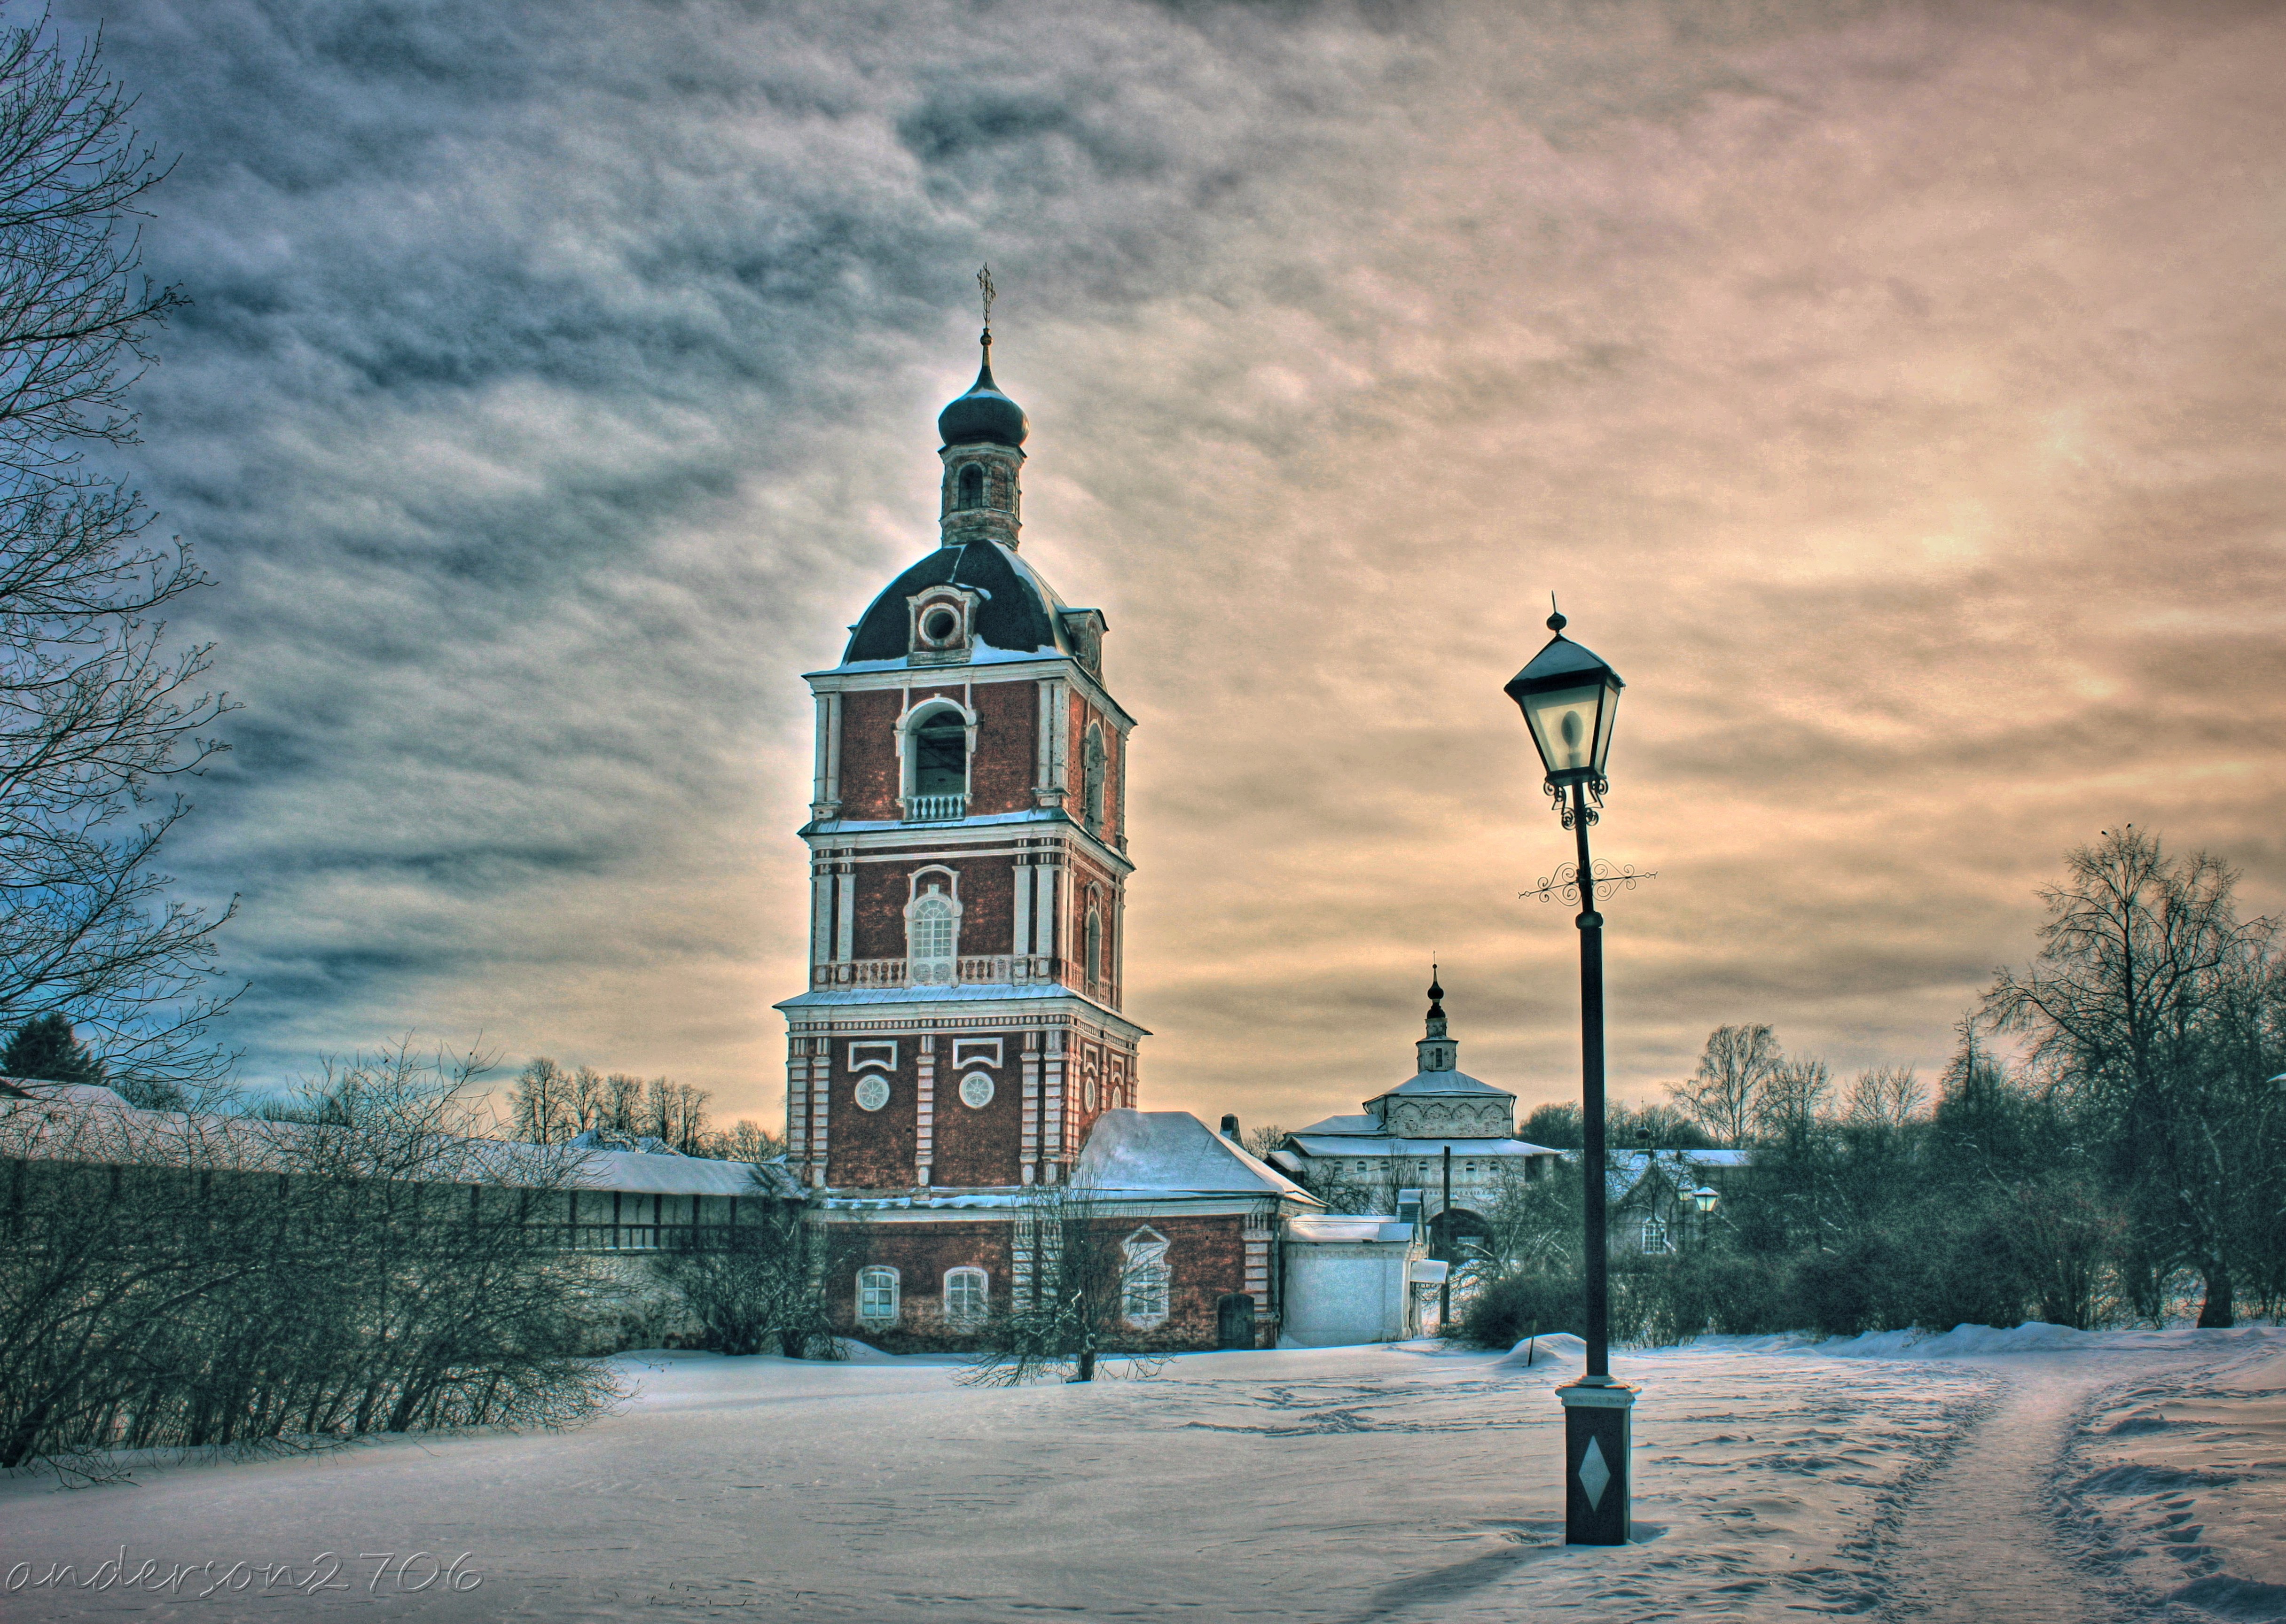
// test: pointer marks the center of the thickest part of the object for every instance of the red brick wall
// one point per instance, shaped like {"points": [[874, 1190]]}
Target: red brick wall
{"points": [[920, 1253], [988, 904], [869, 754], [1073, 948], [1206, 1258], [1007, 744], [1000, 777], [874, 1150], [980, 1147]]}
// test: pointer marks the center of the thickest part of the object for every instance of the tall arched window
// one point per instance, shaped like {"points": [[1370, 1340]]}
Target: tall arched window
{"points": [[877, 1296], [1094, 947], [972, 486], [932, 936], [1145, 1283], [1092, 779], [939, 748], [966, 1297]]}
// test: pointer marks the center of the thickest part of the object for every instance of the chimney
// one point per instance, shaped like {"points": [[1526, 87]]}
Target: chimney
{"points": [[1230, 1127]]}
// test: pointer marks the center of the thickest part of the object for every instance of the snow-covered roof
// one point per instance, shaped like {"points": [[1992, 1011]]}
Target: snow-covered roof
{"points": [[82, 1123], [1324, 1228], [1366, 1124], [1445, 1083], [1163, 1151], [1681, 1167], [1312, 1143]]}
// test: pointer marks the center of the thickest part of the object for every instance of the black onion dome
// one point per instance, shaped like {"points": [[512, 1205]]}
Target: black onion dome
{"points": [[984, 415], [1019, 613]]}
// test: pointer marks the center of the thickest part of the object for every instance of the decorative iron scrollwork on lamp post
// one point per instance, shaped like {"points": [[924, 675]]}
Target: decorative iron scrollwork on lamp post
{"points": [[1570, 699]]}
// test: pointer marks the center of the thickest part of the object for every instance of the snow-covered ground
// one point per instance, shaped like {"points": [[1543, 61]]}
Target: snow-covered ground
{"points": [[2028, 1475]]}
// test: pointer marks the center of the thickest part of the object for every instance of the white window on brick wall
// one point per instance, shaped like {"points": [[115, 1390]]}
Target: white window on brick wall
{"points": [[1146, 1282], [966, 1296], [877, 1295], [1655, 1238]]}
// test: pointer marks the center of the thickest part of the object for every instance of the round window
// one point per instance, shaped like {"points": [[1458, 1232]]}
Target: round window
{"points": [[940, 625], [976, 1090], [872, 1093], [1087, 1093]]}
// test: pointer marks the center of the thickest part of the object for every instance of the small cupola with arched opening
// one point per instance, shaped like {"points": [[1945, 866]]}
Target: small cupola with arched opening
{"points": [[983, 434]]}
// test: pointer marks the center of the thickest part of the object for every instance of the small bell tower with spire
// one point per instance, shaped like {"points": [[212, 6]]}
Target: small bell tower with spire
{"points": [[1437, 1052], [983, 451]]}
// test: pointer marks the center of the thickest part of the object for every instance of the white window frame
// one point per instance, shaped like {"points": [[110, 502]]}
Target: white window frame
{"points": [[908, 749], [1657, 1240], [967, 1278], [1146, 1283], [968, 1051], [932, 970], [1094, 759], [872, 1279]]}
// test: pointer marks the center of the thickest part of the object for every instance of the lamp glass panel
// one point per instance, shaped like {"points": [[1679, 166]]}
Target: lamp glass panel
{"points": [[1564, 727], [1606, 712]]}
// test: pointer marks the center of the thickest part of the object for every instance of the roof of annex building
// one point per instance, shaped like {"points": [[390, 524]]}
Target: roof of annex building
{"points": [[1627, 1168], [1359, 1142], [1154, 1153], [1445, 1082], [84, 1122]]}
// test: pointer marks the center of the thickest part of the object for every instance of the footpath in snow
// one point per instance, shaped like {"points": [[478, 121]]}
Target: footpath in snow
{"points": [[2029, 1475]]}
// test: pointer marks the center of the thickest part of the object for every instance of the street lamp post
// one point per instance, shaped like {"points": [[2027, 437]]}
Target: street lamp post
{"points": [[1704, 1198], [1569, 698]]}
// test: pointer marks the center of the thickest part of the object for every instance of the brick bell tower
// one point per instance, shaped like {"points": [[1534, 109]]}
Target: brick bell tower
{"points": [[968, 861]]}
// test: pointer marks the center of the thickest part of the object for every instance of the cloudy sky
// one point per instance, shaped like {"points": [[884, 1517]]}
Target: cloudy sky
{"points": [[1893, 393]]}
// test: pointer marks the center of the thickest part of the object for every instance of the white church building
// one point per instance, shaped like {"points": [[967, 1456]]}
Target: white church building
{"points": [[1396, 1150]]}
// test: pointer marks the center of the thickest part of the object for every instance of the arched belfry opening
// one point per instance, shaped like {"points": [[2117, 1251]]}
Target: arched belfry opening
{"points": [[972, 486], [937, 756]]}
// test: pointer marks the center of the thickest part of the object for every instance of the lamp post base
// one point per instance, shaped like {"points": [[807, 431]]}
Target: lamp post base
{"points": [[1597, 1494]]}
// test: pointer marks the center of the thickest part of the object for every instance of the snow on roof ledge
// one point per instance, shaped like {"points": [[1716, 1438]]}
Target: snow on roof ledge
{"points": [[1347, 1228], [1173, 1151]]}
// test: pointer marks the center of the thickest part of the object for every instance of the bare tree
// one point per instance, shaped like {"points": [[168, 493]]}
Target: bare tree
{"points": [[361, 1260], [751, 1285], [1725, 1095], [2155, 1010], [674, 1114], [1262, 1140], [94, 710], [1888, 1096], [1795, 1095], [540, 1103], [622, 1105], [1090, 1280], [745, 1140]]}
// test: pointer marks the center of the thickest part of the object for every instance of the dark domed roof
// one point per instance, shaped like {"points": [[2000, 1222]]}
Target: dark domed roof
{"points": [[983, 415], [1019, 613]]}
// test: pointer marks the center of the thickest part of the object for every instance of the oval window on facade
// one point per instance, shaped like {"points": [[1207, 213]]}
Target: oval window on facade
{"points": [[872, 1093], [976, 1090]]}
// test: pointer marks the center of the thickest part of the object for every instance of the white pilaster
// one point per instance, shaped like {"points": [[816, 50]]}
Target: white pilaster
{"points": [[924, 1108], [1021, 937], [1028, 1153]]}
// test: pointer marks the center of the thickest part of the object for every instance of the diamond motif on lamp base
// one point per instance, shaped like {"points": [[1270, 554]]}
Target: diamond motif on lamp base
{"points": [[1597, 1497]]}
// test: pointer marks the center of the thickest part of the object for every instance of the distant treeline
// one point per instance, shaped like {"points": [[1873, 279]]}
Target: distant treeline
{"points": [[548, 1105], [2106, 1146]]}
